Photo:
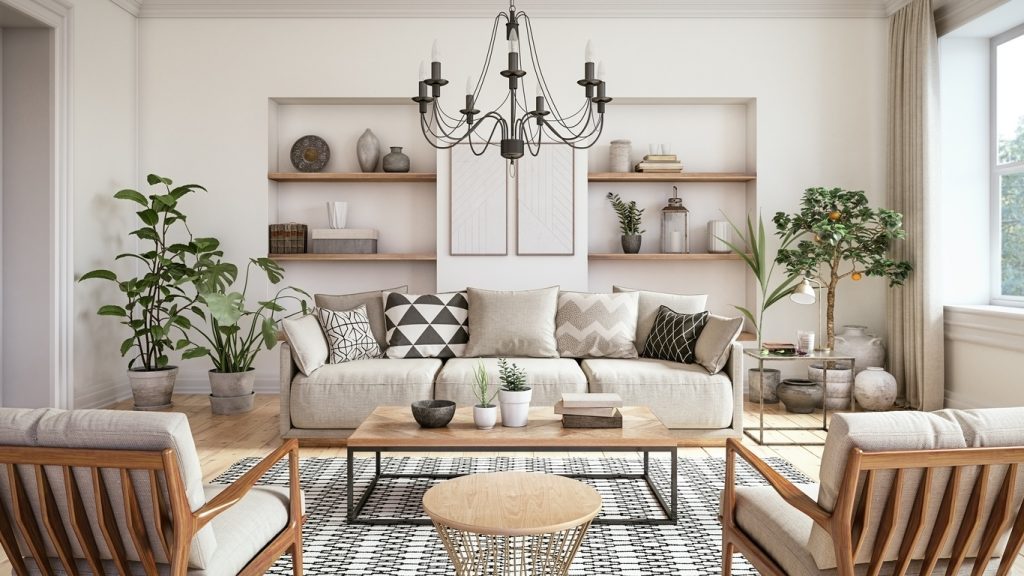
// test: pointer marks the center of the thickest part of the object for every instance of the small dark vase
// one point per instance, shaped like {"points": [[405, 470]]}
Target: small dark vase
{"points": [[396, 161], [800, 396], [631, 243]]}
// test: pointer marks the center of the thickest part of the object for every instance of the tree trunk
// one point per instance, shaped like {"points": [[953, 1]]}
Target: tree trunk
{"points": [[830, 307]]}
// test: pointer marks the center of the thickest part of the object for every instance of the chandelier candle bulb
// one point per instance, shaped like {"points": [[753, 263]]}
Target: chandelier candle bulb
{"points": [[470, 86], [435, 52], [601, 71], [588, 55], [424, 70], [513, 42]]}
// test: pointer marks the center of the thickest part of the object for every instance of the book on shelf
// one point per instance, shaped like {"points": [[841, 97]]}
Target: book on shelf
{"points": [[602, 412], [659, 167], [588, 400], [779, 347], [581, 421], [661, 158]]}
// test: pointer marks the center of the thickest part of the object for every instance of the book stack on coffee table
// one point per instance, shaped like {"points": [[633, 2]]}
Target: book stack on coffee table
{"points": [[590, 410]]}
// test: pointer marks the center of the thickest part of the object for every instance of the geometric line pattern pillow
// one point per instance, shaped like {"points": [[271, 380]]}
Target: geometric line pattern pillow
{"points": [[426, 325], [348, 335], [596, 325], [674, 335]]}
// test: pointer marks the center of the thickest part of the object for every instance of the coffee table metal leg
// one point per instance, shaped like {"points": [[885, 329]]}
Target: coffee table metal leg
{"points": [[675, 485], [351, 485], [355, 511]]}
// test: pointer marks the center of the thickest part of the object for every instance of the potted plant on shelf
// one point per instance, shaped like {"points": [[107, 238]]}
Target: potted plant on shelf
{"points": [[629, 222], [155, 301], [235, 335], [514, 396], [485, 413]]}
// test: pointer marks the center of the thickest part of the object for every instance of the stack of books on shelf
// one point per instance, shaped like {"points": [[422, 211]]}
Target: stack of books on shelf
{"points": [[590, 410], [660, 163]]}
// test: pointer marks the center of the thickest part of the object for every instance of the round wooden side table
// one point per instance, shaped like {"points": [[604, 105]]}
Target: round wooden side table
{"points": [[512, 523]]}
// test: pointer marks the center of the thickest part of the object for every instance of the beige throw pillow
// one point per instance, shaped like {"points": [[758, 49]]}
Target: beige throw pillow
{"points": [[715, 342], [520, 323], [374, 302], [307, 341], [651, 301], [596, 325]]}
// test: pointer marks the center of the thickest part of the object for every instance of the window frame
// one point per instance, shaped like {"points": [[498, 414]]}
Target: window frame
{"points": [[997, 171]]}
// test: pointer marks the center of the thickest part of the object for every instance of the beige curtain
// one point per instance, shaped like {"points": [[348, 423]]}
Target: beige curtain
{"points": [[915, 309]]}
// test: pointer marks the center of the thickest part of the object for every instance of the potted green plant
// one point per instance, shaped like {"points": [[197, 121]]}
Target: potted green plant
{"points": [[485, 413], [514, 396], [155, 301], [629, 222], [235, 335], [840, 236]]}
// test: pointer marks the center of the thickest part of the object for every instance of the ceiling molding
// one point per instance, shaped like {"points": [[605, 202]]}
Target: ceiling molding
{"points": [[133, 7], [540, 8]]}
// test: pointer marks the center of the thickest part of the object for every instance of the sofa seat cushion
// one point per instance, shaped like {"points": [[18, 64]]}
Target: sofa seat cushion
{"points": [[548, 377], [681, 395], [342, 395]]}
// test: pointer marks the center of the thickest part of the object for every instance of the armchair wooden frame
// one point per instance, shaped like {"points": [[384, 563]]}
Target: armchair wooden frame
{"points": [[846, 524], [174, 517]]}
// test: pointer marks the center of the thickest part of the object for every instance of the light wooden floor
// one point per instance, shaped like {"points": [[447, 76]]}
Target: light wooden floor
{"points": [[223, 440]]}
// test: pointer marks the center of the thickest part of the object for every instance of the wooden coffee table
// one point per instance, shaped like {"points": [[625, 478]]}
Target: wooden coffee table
{"points": [[392, 429]]}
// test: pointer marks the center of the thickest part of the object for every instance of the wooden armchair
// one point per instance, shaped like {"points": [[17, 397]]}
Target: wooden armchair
{"points": [[115, 492], [900, 493]]}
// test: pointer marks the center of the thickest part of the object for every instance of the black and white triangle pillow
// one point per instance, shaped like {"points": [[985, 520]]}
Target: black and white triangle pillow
{"points": [[348, 335], [426, 325], [674, 335]]}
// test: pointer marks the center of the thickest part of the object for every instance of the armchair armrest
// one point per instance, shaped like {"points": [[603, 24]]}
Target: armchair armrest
{"points": [[288, 371], [789, 492]]}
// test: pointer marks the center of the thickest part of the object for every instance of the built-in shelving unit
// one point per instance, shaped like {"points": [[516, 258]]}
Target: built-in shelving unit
{"points": [[366, 177], [670, 177], [412, 257], [662, 257]]}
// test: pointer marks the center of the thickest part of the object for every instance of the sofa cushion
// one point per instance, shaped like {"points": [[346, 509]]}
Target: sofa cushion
{"points": [[649, 302], [548, 377], [19, 426], [342, 395], [990, 427], [674, 335], [307, 342], [348, 335], [512, 323], [596, 325], [681, 395], [715, 342], [374, 302], [426, 325]]}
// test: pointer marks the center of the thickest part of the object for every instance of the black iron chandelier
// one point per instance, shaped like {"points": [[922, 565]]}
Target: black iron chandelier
{"points": [[524, 129]]}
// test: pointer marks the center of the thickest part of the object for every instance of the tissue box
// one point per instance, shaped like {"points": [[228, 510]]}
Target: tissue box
{"points": [[344, 241]]}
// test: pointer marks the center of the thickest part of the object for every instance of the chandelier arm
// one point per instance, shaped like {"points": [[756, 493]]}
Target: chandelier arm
{"points": [[436, 130], [440, 115], [528, 131], [572, 141], [535, 60], [451, 141], [487, 142], [490, 53], [584, 114]]}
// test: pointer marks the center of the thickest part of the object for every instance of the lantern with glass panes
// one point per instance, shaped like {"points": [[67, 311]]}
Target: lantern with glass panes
{"points": [[675, 226]]}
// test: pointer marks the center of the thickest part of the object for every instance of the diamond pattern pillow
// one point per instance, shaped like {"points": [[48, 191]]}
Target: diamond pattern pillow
{"points": [[674, 335], [348, 335], [596, 325], [426, 325]]}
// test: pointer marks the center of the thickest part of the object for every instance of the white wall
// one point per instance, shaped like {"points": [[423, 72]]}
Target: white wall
{"points": [[819, 85]]}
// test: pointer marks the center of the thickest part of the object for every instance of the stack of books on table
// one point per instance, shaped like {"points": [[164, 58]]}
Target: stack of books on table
{"points": [[590, 410], [660, 163]]}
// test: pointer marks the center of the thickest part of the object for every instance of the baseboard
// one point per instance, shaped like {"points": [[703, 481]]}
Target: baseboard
{"points": [[104, 396], [961, 401], [202, 386]]}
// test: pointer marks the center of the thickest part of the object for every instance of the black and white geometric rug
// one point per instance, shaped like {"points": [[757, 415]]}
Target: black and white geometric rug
{"points": [[692, 547]]}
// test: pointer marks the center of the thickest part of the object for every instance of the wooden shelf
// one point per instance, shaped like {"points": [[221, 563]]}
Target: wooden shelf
{"points": [[352, 177], [670, 177], [747, 337], [702, 257], [412, 257]]}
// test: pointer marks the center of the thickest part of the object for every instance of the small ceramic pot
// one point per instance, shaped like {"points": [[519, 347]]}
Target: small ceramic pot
{"points": [[515, 407], [800, 396], [631, 243], [151, 389], [396, 161], [875, 389], [485, 417], [770, 381]]}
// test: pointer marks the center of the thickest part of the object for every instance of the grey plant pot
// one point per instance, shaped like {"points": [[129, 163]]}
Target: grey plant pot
{"points": [[152, 389], [226, 406], [231, 384], [631, 243], [368, 151], [395, 161]]}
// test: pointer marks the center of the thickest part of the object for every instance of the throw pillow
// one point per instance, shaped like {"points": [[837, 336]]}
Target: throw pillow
{"points": [[649, 303], [306, 339], [513, 324], [596, 325], [374, 302], [674, 336], [348, 335], [715, 342], [426, 325]]}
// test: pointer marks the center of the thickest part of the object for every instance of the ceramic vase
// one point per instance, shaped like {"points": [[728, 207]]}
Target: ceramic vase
{"points": [[151, 389], [515, 407], [631, 243], [865, 348], [765, 385], [619, 156], [800, 396], [840, 379], [396, 161], [485, 417], [875, 389], [368, 151]]}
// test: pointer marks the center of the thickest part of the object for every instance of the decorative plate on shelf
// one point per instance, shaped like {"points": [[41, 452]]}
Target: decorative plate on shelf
{"points": [[310, 154]]}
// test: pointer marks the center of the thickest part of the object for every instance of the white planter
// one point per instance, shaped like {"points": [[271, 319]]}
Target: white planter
{"points": [[485, 417], [875, 389], [840, 379], [866, 349], [515, 407], [151, 389]]}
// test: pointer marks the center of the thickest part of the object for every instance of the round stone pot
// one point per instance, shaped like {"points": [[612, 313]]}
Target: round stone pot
{"points": [[800, 396], [631, 243], [840, 379], [232, 391], [515, 407], [228, 405], [433, 413], [770, 383], [395, 161], [485, 417], [875, 389], [866, 349], [151, 389]]}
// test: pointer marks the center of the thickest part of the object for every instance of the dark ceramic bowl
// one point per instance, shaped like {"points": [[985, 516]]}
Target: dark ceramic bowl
{"points": [[433, 413]]}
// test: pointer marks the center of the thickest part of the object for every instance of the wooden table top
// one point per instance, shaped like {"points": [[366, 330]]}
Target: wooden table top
{"points": [[512, 503], [394, 427]]}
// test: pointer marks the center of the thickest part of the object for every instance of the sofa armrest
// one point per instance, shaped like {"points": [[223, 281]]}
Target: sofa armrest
{"points": [[288, 371], [734, 368]]}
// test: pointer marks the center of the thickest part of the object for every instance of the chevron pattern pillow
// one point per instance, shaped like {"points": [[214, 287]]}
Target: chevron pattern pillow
{"points": [[596, 325], [426, 325], [348, 335], [674, 335]]}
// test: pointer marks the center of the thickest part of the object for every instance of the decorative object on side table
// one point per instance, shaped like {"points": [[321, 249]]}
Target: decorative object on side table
{"points": [[368, 151], [803, 293], [619, 156], [395, 161], [514, 396], [289, 238], [433, 413], [763, 385], [343, 241], [310, 154], [675, 226], [840, 379], [800, 396], [485, 413], [630, 218], [875, 389], [584, 410], [337, 214], [867, 348], [154, 303]]}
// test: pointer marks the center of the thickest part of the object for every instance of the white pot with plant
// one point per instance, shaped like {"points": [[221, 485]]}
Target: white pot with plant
{"points": [[485, 412], [514, 396]]}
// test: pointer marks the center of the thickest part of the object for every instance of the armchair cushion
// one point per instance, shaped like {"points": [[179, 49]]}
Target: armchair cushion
{"points": [[990, 427]]}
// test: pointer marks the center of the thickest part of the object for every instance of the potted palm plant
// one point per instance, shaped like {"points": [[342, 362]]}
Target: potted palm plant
{"points": [[629, 222], [514, 396], [155, 301], [485, 413], [234, 335]]}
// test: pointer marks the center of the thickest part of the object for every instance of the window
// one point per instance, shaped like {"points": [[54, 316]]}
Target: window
{"points": [[1008, 166]]}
